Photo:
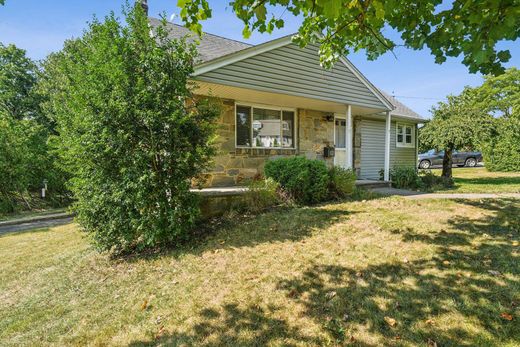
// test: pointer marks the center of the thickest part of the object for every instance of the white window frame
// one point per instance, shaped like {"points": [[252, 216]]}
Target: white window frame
{"points": [[266, 107], [336, 118], [404, 144]]}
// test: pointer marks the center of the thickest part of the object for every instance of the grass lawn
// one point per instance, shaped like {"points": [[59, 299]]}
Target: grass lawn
{"points": [[479, 180], [387, 271]]}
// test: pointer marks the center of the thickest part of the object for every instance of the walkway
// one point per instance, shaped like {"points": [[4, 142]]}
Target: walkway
{"points": [[409, 194], [38, 222]]}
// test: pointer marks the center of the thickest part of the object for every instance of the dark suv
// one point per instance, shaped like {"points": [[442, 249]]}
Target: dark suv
{"points": [[434, 158]]}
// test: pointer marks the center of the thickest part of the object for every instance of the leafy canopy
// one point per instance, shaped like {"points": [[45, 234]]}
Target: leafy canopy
{"points": [[456, 124], [131, 133], [500, 96], [18, 76], [469, 28], [25, 158]]}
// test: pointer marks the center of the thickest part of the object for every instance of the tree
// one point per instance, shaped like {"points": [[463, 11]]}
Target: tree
{"points": [[25, 160], [131, 132], [471, 28], [456, 124], [18, 77], [500, 96]]}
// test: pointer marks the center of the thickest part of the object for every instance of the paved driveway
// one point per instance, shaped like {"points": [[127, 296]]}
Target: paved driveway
{"points": [[35, 225]]}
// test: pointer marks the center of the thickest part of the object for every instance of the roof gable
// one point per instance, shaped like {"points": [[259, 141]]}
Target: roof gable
{"points": [[217, 51], [282, 67]]}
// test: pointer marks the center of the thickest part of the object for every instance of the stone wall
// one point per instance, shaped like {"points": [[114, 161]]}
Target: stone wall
{"points": [[236, 166]]}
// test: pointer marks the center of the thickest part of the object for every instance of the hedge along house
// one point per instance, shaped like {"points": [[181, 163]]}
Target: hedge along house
{"points": [[279, 101]]}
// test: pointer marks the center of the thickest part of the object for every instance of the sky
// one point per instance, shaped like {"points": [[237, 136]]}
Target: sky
{"points": [[41, 26]]}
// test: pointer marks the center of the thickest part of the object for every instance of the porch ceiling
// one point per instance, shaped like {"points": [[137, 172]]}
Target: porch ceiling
{"points": [[267, 98]]}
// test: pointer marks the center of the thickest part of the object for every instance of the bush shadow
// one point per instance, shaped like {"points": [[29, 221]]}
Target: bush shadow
{"points": [[246, 230]]}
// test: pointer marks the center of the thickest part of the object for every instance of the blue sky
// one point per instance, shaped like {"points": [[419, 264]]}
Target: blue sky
{"points": [[40, 27]]}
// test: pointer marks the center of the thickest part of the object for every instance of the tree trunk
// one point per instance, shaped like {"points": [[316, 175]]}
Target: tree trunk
{"points": [[447, 163]]}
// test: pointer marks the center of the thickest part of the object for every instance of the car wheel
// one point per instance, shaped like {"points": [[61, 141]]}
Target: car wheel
{"points": [[425, 164], [471, 162]]}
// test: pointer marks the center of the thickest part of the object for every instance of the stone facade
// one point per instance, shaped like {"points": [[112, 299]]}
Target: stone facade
{"points": [[237, 166]]}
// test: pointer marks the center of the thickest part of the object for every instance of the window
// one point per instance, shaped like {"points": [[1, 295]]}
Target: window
{"points": [[404, 135], [340, 133], [264, 127]]}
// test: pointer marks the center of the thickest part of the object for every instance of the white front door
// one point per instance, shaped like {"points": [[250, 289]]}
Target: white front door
{"points": [[340, 140]]}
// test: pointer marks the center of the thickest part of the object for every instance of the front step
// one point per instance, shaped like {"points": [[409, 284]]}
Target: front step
{"points": [[369, 184]]}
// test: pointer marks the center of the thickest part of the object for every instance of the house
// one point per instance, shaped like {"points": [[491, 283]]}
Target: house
{"points": [[279, 101]]}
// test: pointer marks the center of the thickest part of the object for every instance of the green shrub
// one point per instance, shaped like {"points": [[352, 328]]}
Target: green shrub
{"points": [[342, 181], [132, 134], [405, 177], [261, 194], [502, 151], [306, 180]]}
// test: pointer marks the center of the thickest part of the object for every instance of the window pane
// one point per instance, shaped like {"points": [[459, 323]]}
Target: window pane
{"points": [[243, 126], [266, 128], [399, 129], [400, 138], [288, 129], [340, 133], [408, 138], [408, 130]]}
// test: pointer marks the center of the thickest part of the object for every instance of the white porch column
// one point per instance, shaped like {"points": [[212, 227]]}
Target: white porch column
{"points": [[348, 139], [387, 147]]}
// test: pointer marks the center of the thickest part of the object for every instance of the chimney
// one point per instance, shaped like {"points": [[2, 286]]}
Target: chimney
{"points": [[144, 5]]}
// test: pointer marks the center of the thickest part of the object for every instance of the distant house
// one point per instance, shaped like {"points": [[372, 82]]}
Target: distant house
{"points": [[279, 101]]}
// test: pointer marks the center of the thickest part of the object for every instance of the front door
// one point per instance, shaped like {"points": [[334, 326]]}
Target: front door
{"points": [[340, 134]]}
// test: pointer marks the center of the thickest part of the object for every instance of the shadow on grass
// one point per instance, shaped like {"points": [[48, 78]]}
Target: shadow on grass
{"points": [[473, 282], [453, 298], [233, 326], [246, 230]]}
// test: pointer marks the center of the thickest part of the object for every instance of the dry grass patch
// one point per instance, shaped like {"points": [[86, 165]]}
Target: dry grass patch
{"points": [[380, 272]]}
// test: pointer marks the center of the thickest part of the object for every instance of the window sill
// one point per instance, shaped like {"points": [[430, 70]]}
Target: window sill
{"points": [[275, 148], [400, 145], [265, 151]]}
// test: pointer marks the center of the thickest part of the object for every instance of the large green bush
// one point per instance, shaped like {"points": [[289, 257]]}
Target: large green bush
{"points": [[306, 180], [131, 132]]}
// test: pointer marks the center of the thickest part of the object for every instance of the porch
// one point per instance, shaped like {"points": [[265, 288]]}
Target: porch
{"points": [[248, 135]]}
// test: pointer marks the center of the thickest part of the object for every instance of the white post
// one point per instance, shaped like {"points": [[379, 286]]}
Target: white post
{"points": [[387, 147], [348, 139]]}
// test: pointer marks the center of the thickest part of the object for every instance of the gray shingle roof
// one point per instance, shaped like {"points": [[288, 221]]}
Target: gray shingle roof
{"points": [[210, 47], [400, 108]]}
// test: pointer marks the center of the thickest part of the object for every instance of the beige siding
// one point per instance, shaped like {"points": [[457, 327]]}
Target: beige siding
{"points": [[295, 71]]}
